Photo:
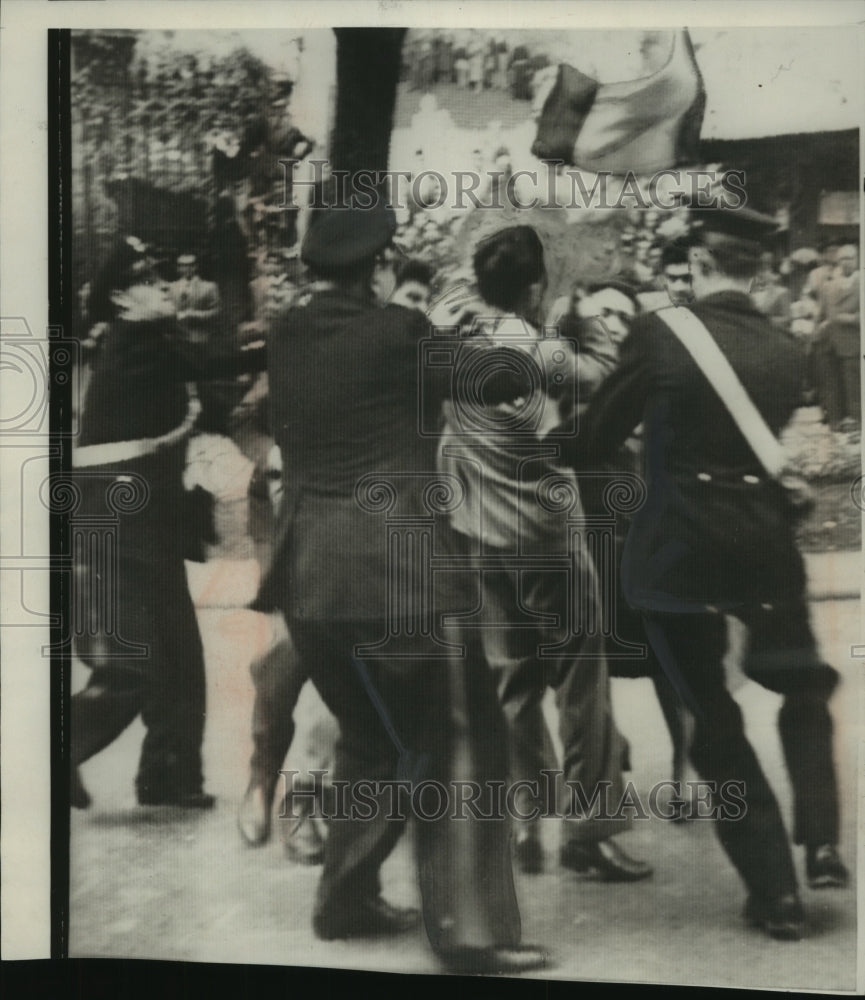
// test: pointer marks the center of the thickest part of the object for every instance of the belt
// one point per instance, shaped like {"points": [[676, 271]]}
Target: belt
{"points": [[125, 451]]}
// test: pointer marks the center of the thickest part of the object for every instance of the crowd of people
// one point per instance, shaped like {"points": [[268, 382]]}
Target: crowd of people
{"points": [[473, 60], [437, 681]]}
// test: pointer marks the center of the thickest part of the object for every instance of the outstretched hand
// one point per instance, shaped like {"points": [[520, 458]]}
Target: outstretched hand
{"points": [[143, 303]]}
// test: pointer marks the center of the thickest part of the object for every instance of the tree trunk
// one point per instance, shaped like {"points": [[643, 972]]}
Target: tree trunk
{"points": [[367, 73]]}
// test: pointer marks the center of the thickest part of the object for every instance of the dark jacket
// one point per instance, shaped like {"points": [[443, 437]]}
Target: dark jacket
{"points": [[136, 392], [707, 535], [344, 404], [353, 410]]}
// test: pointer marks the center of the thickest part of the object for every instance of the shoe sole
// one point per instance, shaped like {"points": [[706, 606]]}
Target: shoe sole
{"points": [[827, 882], [483, 965], [305, 859], [603, 875], [780, 932], [784, 932], [174, 804], [351, 933]]}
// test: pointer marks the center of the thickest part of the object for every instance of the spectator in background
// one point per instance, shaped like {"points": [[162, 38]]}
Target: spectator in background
{"points": [[838, 347], [196, 301], [490, 64], [676, 273], [476, 52], [461, 66], [426, 65], [500, 81], [445, 60], [272, 291], [671, 284], [769, 294], [820, 275], [654, 260]]}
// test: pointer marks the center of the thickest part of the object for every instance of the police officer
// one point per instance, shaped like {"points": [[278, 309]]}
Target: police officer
{"points": [[344, 395], [135, 424], [716, 536]]}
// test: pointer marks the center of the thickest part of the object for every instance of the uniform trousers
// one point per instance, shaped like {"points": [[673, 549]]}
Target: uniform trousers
{"points": [[781, 655], [166, 686], [417, 720]]}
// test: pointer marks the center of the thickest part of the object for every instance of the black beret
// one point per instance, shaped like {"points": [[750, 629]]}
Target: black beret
{"points": [[740, 223], [344, 236]]}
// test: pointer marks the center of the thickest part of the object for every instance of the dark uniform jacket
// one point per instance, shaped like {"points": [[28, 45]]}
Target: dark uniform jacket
{"points": [[344, 404], [714, 530], [353, 412], [137, 393]]}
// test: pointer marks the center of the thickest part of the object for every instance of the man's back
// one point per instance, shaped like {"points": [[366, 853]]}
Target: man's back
{"points": [[344, 391]]}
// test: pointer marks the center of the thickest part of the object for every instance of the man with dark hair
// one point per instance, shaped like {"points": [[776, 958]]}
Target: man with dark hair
{"points": [[413, 287], [534, 633], [716, 537], [676, 273]]}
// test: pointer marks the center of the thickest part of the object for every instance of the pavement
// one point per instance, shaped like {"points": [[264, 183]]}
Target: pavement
{"points": [[167, 884]]}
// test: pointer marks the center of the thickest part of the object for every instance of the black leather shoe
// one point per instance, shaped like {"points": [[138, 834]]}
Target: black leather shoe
{"points": [[79, 797], [374, 918], [606, 859], [495, 960], [781, 918], [528, 852], [824, 867], [253, 816], [183, 800]]}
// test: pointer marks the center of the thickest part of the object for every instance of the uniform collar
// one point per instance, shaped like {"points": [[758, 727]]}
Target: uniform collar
{"points": [[340, 301], [730, 299]]}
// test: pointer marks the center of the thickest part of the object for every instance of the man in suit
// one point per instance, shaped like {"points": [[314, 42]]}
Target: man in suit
{"points": [[196, 301], [714, 537], [826, 270], [838, 348], [202, 322], [344, 380]]}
